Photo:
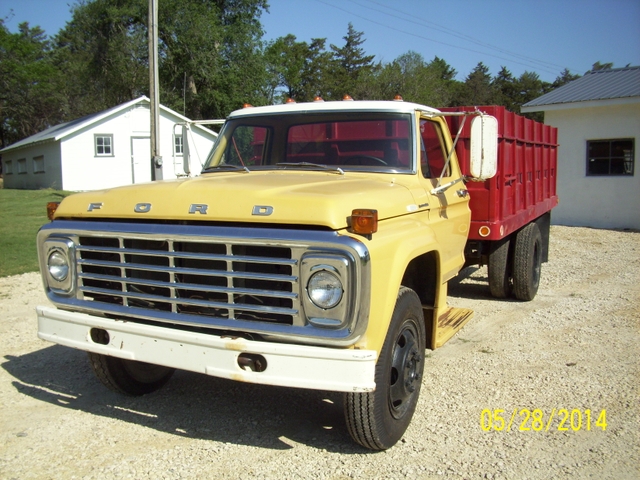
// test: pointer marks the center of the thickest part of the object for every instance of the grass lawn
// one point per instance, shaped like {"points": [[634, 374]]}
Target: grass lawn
{"points": [[22, 213]]}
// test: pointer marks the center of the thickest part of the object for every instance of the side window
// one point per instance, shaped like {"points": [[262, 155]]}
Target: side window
{"points": [[246, 146], [38, 164], [432, 152], [610, 157], [22, 165], [177, 145], [7, 168], [104, 145]]}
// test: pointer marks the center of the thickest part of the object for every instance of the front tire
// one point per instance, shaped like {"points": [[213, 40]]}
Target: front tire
{"points": [[378, 419], [127, 376]]}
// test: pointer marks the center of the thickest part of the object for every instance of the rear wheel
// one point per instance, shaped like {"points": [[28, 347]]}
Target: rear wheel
{"points": [[527, 262], [127, 376], [499, 269], [378, 419]]}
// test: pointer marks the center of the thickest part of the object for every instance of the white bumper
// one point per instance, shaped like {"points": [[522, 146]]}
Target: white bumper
{"points": [[320, 368]]}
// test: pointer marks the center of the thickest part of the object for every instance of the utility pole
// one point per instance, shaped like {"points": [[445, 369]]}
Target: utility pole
{"points": [[154, 92]]}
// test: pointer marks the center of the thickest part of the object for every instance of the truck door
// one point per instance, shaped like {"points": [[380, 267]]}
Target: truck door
{"points": [[449, 213]]}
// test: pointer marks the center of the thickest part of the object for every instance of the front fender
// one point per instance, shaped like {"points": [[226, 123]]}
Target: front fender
{"points": [[396, 243]]}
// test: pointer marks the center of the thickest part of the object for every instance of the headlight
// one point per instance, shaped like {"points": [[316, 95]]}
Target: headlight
{"points": [[325, 289], [58, 265]]}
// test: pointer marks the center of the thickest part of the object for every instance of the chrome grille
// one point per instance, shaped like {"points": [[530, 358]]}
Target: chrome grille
{"points": [[203, 278]]}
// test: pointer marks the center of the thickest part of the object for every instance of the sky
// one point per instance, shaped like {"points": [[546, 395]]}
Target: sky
{"points": [[541, 36]]}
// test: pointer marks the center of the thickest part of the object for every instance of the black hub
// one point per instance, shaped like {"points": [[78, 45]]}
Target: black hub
{"points": [[405, 372]]}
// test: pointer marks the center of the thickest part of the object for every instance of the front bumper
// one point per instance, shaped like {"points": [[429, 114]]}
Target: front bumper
{"points": [[320, 368]]}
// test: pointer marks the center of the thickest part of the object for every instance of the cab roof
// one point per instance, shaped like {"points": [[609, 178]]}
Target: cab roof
{"points": [[335, 106]]}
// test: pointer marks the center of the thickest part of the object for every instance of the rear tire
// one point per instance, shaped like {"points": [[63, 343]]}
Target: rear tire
{"points": [[527, 262], [378, 419], [500, 269], [127, 376]]}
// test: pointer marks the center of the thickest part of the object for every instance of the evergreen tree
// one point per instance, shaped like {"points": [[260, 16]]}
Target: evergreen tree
{"points": [[565, 77], [349, 65], [477, 89]]}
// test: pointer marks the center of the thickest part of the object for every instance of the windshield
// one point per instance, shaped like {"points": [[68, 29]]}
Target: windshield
{"points": [[332, 140]]}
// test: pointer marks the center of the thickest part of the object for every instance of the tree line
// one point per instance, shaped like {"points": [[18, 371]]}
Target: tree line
{"points": [[212, 60]]}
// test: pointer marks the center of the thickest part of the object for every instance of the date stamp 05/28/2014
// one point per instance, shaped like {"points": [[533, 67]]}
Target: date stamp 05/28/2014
{"points": [[559, 419]]}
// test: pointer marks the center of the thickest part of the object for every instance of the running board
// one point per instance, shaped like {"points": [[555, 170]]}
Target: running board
{"points": [[451, 320]]}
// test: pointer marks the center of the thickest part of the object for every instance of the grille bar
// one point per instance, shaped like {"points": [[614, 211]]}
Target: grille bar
{"points": [[156, 299], [188, 286], [186, 271], [189, 255]]}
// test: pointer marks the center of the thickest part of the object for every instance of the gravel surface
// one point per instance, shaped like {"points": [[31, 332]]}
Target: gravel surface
{"points": [[575, 347]]}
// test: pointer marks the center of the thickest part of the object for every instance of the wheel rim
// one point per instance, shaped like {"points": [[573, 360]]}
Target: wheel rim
{"points": [[405, 372]]}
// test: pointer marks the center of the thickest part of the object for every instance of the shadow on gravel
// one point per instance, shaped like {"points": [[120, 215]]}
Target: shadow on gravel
{"points": [[191, 405], [471, 283]]}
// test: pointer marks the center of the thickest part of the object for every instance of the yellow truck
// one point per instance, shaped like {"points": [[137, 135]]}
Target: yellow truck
{"points": [[312, 251]]}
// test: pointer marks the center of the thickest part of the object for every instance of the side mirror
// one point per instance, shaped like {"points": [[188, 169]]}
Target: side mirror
{"points": [[484, 147], [186, 158]]}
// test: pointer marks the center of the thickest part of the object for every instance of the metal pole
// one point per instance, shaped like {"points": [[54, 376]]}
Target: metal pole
{"points": [[154, 92]]}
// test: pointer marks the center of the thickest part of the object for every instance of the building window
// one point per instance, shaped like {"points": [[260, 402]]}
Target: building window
{"points": [[177, 145], [22, 165], [7, 167], [38, 164], [610, 157], [104, 145]]}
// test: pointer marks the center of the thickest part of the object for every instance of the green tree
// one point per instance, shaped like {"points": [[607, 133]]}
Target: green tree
{"points": [[505, 90], [601, 66], [30, 85], [565, 77], [415, 80], [477, 88], [210, 57], [349, 66], [298, 68]]}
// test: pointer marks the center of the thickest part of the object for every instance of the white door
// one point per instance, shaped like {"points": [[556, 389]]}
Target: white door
{"points": [[141, 159]]}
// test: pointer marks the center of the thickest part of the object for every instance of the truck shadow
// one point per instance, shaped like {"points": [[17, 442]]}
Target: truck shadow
{"points": [[191, 405], [470, 283]]}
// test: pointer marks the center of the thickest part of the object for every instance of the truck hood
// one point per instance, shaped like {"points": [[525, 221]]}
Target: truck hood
{"points": [[291, 197]]}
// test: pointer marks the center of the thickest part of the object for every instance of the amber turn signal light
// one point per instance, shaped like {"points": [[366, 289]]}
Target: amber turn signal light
{"points": [[51, 209], [364, 221]]}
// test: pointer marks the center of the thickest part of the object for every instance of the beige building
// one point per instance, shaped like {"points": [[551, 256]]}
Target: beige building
{"points": [[598, 121]]}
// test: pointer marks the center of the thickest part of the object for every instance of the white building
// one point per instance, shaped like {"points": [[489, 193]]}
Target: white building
{"points": [[598, 120], [103, 150]]}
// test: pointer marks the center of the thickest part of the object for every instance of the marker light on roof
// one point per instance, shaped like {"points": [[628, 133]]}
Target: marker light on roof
{"points": [[347, 98], [398, 98], [318, 98], [247, 105], [290, 100]]}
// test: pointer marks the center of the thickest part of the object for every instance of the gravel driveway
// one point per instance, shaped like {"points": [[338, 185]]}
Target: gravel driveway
{"points": [[574, 349]]}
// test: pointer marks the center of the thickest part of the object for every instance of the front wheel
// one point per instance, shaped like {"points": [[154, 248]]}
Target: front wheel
{"points": [[378, 419], [127, 376]]}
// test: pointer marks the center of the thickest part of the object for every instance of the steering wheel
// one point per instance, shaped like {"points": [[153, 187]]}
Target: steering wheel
{"points": [[363, 160]]}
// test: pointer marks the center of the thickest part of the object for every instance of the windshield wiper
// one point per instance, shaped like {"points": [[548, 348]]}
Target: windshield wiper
{"points": [[311, 165], [226, 166]]}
